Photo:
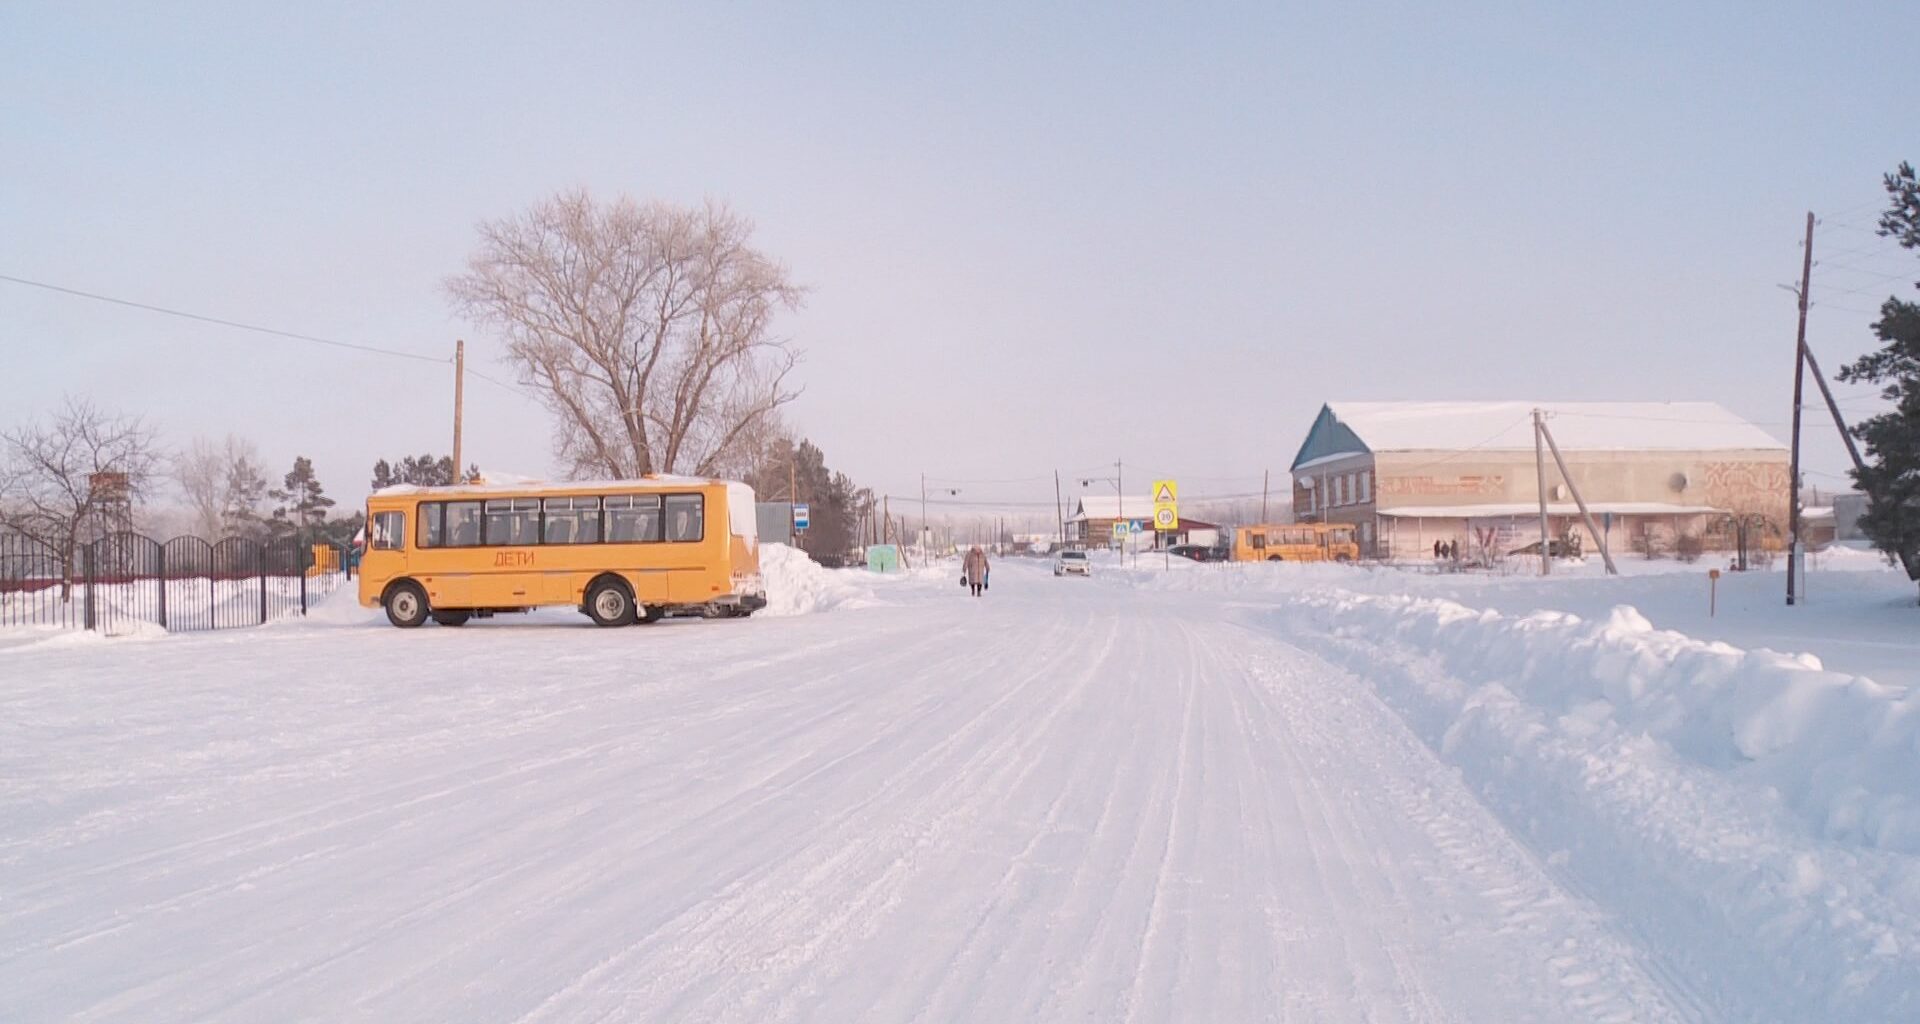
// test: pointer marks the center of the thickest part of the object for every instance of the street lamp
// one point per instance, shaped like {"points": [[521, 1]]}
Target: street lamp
{"points": [[926, 531]]}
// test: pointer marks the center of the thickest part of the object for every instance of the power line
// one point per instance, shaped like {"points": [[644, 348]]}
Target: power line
{"points": [[203, 318]]}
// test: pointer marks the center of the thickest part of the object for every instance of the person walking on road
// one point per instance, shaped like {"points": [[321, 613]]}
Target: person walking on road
{"points": [[976, 569]]}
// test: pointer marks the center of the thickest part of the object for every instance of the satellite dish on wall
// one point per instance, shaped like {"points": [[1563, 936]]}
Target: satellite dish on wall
{"points": [[1559, 492], [1678, 482]]}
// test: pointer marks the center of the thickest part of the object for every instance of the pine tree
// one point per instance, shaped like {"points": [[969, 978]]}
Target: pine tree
{"points": [[246, 487], [1891, 479], [418, 471], [303, 503]]}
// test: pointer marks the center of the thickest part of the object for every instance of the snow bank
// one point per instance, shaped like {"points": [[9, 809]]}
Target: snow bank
{"points": [[1743, 810], [797, 585], [1842, 751]]}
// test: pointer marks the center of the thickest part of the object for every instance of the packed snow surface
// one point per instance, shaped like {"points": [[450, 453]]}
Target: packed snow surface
{"points": [[1165, 793]]}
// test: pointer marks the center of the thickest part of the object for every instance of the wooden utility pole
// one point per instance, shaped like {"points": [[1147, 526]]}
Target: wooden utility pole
{"points": [[1840, 424], [1265, 477], [1540, 473], [1592, 527], [1059, 513], [459, 402], [1793, 460]]}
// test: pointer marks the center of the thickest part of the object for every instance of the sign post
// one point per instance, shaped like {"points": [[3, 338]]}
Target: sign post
{"points": [[1166, 515], [802, 517]]}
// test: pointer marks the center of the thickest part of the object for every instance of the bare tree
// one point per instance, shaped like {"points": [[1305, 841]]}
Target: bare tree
{"points": [[647, 328], [223, 485], [53, 484]]}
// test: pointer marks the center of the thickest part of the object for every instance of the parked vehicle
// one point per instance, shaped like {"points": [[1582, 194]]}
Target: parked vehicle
{"points": [[619, 551], [1198, 552], [1295, 542], [1072, 563]]}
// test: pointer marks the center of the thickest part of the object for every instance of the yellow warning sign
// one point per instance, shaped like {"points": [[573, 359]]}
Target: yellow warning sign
{"points": [[1166, 505]]}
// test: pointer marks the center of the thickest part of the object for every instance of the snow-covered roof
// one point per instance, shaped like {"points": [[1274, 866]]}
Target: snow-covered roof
{"points": [[1345, 427], [514, 485], [1107, 506]]}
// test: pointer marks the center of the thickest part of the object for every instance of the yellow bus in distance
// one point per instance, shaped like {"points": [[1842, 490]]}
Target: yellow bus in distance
{"points": [[620, 551], [1295, 542]]}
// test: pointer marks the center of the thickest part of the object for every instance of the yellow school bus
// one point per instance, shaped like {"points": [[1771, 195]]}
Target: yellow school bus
{"points": [[620, 551], [1295, 542]]}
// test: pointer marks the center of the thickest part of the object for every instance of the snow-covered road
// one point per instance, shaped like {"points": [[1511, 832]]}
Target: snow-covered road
{"points": [[1067, 801]]}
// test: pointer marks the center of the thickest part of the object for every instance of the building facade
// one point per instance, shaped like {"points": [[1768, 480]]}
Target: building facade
{"points": [[1658, 477]]}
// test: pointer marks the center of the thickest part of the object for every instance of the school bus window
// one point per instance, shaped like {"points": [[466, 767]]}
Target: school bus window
{"points": [[513, 522], [389, 531], [463, 524], [632, 518], [432, 526], [1258, 539], [686, 517], [573, 521]]}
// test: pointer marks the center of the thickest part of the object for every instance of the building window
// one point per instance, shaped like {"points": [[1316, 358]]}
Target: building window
{"points": [[1366, 487]]}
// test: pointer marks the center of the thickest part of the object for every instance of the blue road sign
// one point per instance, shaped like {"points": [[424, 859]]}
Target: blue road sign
{"points": [[801, 517]]}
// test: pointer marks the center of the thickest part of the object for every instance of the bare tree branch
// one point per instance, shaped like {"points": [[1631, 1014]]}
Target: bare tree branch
{"points": [[645, 328]]}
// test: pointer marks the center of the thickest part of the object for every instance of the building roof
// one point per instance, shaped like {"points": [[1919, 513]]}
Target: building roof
{"points": [[1346, 428]]}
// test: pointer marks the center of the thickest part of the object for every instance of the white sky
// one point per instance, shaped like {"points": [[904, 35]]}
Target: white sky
{"points": [[1034, 239]]}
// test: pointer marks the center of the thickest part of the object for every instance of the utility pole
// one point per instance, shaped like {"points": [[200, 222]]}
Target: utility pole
{"points": [[1592, 527], [1265, 476], [1059, 514], [459, 402], [1840, 424], [1120, 496], [1793, 461], [1540, 472]]}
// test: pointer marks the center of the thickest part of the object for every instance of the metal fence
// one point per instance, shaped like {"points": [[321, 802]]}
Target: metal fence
{"points": [[127, 582]]}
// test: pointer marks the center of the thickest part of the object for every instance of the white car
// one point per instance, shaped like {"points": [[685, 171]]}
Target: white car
{"points": [[1072, 563]]}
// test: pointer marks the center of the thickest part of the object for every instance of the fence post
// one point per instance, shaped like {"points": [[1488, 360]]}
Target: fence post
{"points": [[300, 565], [260, 566], [160, 570], [85, 555]]}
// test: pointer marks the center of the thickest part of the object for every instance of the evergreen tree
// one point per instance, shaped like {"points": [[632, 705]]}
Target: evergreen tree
{"points": [[1891, 479], [303, 502], [418, 471], [246, 487]]}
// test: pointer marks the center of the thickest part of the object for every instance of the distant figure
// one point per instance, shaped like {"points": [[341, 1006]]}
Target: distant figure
{"points": [[976, 569], [1438, 548]]}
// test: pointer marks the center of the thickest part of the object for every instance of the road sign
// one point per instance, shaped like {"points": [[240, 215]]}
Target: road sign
{"points": [[1121, 527], [802, 517], [1166, 505]]}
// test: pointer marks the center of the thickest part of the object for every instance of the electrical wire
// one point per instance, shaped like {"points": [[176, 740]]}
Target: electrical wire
{"points": [[203, 318]]}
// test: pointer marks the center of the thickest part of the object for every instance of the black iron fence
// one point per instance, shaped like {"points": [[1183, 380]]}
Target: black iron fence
{"points": [[127, 582]]}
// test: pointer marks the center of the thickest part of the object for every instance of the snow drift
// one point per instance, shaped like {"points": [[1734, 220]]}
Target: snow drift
{"points": [[797, 585], [1840, 750]]}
